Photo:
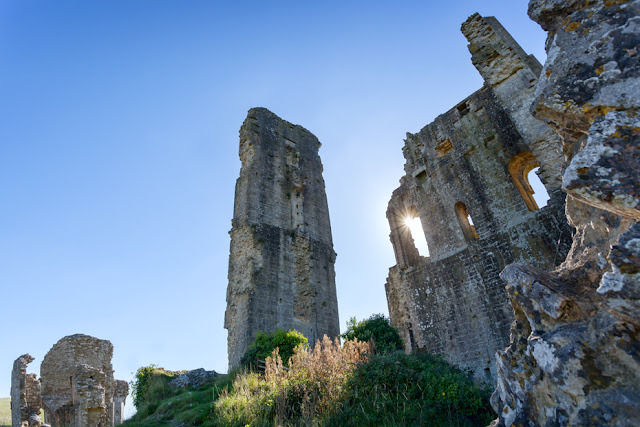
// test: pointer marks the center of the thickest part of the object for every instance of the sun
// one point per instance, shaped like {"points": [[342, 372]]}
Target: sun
{"points": [[415, 227]]}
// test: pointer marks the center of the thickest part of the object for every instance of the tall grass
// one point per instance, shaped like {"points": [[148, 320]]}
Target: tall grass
{"points": [[298, 393]]}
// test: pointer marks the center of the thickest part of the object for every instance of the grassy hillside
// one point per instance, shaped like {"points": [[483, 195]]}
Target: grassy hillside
{"points": [[5, 412], [327, 386]]}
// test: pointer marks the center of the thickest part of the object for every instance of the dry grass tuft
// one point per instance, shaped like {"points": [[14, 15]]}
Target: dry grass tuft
{"points": [[299, 392]]}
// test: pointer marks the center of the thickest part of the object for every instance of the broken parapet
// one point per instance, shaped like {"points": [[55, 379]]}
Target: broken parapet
{"points": [[281, 263], [26, 402], [574, 355], [467, 180], [76, 386]]}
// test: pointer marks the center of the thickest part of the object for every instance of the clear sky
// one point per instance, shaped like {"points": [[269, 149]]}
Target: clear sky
{"points": [[119, 153]]}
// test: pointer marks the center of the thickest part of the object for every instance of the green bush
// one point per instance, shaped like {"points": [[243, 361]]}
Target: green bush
{"points": [[376, 329], [416, 389], [182, 406], [265, 343], [150, 384]]}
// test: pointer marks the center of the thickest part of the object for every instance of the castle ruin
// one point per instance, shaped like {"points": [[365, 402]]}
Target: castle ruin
{"points": [[281, 263], [76, 386], [467, 180]]}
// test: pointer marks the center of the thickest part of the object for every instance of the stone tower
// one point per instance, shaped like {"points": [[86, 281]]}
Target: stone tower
{"points": [[281, 265], [467, 180]]}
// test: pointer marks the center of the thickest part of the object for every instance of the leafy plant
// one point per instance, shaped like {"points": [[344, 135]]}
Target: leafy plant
{"points": [[377, 330], [150, 384], [265, 343], [415, 389]]}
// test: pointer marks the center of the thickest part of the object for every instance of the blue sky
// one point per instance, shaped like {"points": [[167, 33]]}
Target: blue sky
{"points": [[119, 143]]}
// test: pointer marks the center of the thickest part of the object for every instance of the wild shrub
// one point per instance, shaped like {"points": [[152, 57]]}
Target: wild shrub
{"points": [[416, 389], [377, 330], [182, 406], [150, 384], [266, 342], [299, 393]]}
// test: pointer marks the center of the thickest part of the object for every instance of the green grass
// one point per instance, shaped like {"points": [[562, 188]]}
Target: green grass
{"points": [[165, 406], [5, 412]]}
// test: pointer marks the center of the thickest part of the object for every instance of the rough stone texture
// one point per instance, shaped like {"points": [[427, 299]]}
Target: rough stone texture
{"points": [[78, 388], [57, 370], [473, 160], [25, 394], [574, 356], [90, 389], [281, 265], [194, 378]]}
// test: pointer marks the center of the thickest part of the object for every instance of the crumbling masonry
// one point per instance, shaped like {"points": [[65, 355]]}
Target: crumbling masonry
{"points": [[25, 394], [281, 263], [574, 355], [76, 386], [466, 179]]}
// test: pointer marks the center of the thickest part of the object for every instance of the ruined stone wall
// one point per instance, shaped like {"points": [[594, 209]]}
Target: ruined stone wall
{"points": [[25, 393], [472, 160], [91, 403], [58, 369], [281, 263], [76, 386], [119, 398], [574, 355]]}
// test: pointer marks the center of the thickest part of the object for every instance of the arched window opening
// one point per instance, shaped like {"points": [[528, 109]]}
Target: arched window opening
{"points": [[520, 168], [466, 223], [414, 225], [540, 194]]}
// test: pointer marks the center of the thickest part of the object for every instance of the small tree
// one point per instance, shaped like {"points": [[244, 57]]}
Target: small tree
{"points": [[266, 342], [377, 330]]}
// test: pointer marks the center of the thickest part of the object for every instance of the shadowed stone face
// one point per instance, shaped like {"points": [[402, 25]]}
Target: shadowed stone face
{"points": [[589, 91], [574, 353], [281, 263]]}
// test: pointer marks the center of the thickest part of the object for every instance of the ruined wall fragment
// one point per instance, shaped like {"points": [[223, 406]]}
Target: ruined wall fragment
{"points": [[76, 386], [57, 372], [90, 397], [281, 263], [574, 357], [471, 162], [25, 393], [121, 391]]}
